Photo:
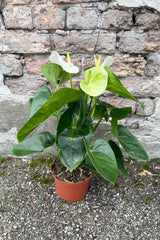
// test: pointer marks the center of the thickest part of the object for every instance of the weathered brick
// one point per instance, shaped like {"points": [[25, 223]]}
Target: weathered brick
{"points": [[153, 65], [46, 17], [156, 115], [142, 88], [25, 85], [10, 65], [77, 18], [106, 43], [147, 21], [33, 63], [134, 42], [148, 107], [1, 22], [17, 17], [122, 66], [154, 4], [121, 103], [115, 19], [23, 2], [75, 42], [71, 1], [16, 2], [11, 108], [12, 42]]}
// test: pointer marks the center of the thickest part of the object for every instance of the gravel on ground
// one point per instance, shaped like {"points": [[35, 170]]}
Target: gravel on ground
{"points": [[31, 210]]}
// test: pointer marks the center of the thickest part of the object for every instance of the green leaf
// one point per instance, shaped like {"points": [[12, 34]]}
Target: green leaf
{"points": [[95, 82], [31, 101], [131, 144], [115, 86], [78, 110], [70, 140], [87, 163], [103, 159], [41, 96], [114, 125], [120, 113], [119, 158], [115, 112], [54, 74], [34, 144], [60, 98], [99, 112]]}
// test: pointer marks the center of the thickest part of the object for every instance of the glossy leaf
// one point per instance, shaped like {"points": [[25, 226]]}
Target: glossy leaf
{"points": [[119, 158], [103, 159], [120, 113], [87, 163], [131, 144], [54, 74], [78, 109], [115, 112], [70, 141], [51, 72], [60, 98], [99, 112], [41, 96], [115, 86], [95, 82], [34, 144]]}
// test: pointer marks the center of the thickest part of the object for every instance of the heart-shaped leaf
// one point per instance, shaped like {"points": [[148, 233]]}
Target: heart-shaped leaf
{"points": [[54, 74], [131, 144], [70, 140], [103, 159], [119, 158], [34, 144], [120, 113]]}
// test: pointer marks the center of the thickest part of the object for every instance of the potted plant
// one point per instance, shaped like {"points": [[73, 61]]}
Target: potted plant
{"points": [[79, 112]]}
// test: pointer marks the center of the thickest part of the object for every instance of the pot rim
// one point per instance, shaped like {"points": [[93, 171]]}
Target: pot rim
{"points": [[76, 183]]}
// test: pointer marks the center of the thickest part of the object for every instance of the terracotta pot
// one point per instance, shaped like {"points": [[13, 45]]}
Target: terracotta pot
{"points": [[71, 192]]}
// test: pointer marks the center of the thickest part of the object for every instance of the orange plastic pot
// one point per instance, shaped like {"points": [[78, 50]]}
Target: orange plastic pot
{"points": [[71, 192]]}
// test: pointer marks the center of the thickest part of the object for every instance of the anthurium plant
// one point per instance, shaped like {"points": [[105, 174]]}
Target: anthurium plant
{"points": [[79, 112]]}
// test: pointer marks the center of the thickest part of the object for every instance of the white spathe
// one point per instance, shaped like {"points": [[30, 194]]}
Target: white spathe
{"points": [[57, 59]]}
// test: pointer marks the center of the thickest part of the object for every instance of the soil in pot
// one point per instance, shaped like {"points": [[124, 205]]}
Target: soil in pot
{"points": [[62, 173], [70, 186]]}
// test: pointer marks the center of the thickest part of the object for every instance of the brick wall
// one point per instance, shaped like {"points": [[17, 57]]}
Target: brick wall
{"points": [[127, 30]]}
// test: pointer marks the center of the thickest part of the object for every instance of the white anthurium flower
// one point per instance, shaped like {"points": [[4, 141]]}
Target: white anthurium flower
{"points": [[67, 66], [95, 81], [107, 62]]}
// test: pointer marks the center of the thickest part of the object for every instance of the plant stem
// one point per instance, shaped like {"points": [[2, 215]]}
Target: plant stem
{"points": [[94, 129], [55, 148], [60, 113], [94, 106], [70, 80], [106, 134], [50, 154]]}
